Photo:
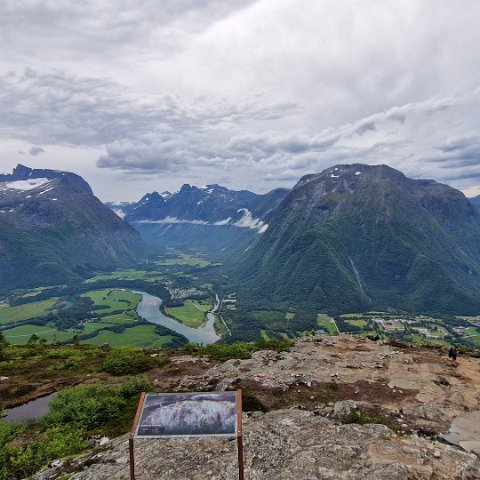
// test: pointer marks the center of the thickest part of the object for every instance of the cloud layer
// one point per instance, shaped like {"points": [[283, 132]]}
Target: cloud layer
{"points": [[251, 94]]}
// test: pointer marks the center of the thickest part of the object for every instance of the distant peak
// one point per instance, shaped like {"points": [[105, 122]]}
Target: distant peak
{"points": [[21, 171], [186, 187]]}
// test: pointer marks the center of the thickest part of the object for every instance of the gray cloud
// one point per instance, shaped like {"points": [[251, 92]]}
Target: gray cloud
{"points": [[115, 25], [366, 127], [241, 92], [165, 134], [34, 150], [56, 107], [460, 144]]}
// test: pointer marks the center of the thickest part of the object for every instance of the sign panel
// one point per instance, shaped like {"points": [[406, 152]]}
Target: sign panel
{"points": [[188, 415]]}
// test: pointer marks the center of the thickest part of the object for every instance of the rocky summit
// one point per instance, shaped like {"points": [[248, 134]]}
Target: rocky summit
{"points": [[331, 408]]}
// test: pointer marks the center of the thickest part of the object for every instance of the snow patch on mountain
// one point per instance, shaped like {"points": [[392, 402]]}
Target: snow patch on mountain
{"points": [[25, 185]]}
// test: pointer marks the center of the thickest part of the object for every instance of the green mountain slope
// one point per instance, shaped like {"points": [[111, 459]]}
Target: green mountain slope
{"points": [[54, 231], [359, 237]]}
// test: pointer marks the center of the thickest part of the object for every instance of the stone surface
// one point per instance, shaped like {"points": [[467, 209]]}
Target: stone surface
{"points": [[290, 445], [465, 432], [298, 437], [343, 408]]}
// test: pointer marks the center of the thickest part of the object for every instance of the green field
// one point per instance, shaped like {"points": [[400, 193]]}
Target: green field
{"points": [[20, 335], [327, 323], [358, 323], [473, 335], [192, 313], [130, 274], [219, 327], [113, 300], [471, 331], [141, 335], [264, 335], [184, 259], [26, 311], [91, 327], [126, 318], [35, 291], [420, 339], [120, 318]]}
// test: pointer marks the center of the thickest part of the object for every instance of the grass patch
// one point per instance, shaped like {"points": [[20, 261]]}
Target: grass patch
{"points": [[26, 311], [219, 327], [363, 418], [425, 341], [91, 327], [357, 323], [241, 350], [185, 259], [120, 318], [192, 313], [20, 335], [141, 335], [113, 300], [264, 335], [130, 274], [327, 323]]}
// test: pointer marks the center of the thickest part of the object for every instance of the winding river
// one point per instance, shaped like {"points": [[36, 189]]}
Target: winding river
{"points": [[149, 309]]}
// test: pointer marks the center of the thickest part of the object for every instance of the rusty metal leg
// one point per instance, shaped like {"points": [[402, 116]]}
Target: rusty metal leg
{"points": [[240, 457], [132, 459]]}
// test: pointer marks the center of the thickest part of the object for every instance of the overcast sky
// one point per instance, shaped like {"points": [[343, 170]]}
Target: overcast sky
{"points": [[146, 95]]}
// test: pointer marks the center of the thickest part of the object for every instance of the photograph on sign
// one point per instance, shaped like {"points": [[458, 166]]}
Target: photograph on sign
{"points": [[188, 415]]}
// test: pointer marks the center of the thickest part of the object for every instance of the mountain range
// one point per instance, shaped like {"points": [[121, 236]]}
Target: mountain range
{"points": [[53, 230], [352, 238], [211, 218]]}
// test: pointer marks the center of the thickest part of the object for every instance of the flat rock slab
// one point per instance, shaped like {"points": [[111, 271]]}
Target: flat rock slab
{"points": [[465, 432], [288, 445]]}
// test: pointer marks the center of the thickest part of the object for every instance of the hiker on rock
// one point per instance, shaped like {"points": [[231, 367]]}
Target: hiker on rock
{"points": [[452, 355]]}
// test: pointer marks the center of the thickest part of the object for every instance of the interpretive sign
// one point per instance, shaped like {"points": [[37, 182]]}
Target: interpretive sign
{"points": [[188, 415], [202, 414]]}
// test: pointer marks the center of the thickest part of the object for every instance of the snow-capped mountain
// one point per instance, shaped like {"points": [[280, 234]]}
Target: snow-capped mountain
{"points": [[54, 230], [209, 205], [196, 214]]}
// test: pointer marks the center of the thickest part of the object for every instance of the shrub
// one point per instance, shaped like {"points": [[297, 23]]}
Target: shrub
{"points": [[277, 344], [55, 442], [65, 352], [362, 418], [8, 431], [86, 408], [133, 386], [241, 350], [223, 351], [128, 361]]}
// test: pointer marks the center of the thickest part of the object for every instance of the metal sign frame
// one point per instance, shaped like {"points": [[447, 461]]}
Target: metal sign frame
{"points": [[237, 434]]}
